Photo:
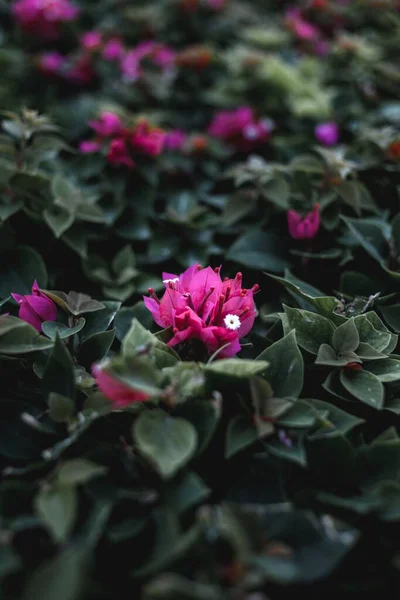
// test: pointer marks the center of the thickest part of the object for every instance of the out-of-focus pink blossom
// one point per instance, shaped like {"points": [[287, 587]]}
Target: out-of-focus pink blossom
{"points": [[301, 28], [82, 71], [118, 154], [107, 125], [36, 308], [160, 55], [304, 227], [175, 139], [216, 4], [240, 128], [89, 146], [148, 140], [91, 40], [51, 63], [327, 133], [43, 17], [113, 50], [198, 305], [117, 392]]}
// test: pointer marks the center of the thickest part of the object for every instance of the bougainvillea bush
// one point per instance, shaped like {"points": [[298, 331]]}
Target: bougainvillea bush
{"points": [[200, 302]]}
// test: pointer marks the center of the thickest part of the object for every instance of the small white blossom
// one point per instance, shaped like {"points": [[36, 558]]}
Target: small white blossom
{"points": [[232, 322], [250, 132], [174, 280]]}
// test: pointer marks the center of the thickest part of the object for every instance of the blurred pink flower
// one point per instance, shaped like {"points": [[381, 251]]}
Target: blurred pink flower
{"points": [[91, 40], [148, 140], [107, 125], [89, 146], [117, 392], [240, 128], [304, 228], [118, 154], [327, 133], [43, 17], [198, 305], [175, 139], [161, 56], [36, 308], [51, 63], [113, 50]]}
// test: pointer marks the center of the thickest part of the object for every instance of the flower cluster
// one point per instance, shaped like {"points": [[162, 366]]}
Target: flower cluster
{"points": [[43, 17], [159, 55], [36, 308], [199, 305], [123, 143], [240, 128]]}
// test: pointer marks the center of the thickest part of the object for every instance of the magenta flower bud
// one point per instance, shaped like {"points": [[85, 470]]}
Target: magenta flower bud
{"points": [[36, 308], [89, 146], [304, 228], [117, 392], [327, 133], [91, 40], [118, 154]]}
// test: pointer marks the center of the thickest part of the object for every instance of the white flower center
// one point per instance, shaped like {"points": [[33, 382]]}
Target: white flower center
{"points": [[232, 322], [174, 280]]}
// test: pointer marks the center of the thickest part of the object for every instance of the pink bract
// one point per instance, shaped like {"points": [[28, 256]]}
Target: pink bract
{"points": [[107, 125], [36, 308], [303, 228], [198, 304], [43, 17], [117, 392], [327, 133], [240, 128], [118, 154]]}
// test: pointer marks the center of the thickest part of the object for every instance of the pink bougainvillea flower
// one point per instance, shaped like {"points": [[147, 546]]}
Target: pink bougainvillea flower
{"points": [[51, 63], [43, 17], [118, 154], [148, 140], [113, 50], [175, 139], [107, 125], [327, 133], [160, 55], [240, 128], [89, 146], [198, 305], [117, 392], [301, 28], [91, 40], [36, 308], [304, 228]]}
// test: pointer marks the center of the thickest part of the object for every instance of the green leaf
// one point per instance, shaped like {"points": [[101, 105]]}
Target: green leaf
{"points": [[385, 370], [60, 578], [259, 250], [278, 191], [18, 337], [312, 330], [240, 434], [137, 373], [137, 338], [18, 270], [59, 219], [79, 471], [337, 419], [186, 491], [52, 329], [367, 352], [379, 340], [167, 442], [299, 415], [391, 315], [286, 366], [327, 357], [59, 376], [57, 507], [364, 386], [345, 338], [295, 453], [100, 320], [369, 235], [61, 408], [95, 348], [237, 368]]}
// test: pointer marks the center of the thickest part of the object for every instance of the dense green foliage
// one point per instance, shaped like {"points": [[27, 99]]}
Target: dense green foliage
{"points": [[263, 475]]}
